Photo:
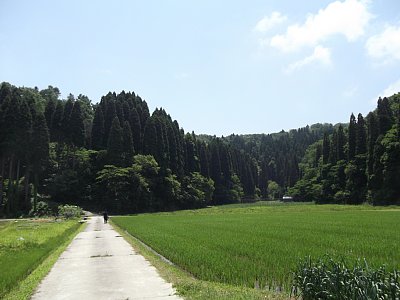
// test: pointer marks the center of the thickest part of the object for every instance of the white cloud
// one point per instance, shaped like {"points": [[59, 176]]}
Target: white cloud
{"points": [[270, 21], [320, 55], [385, 45], [348, 18], [393, 88]]}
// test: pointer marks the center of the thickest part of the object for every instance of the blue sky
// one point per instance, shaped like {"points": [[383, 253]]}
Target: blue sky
{"points": [[218, 67]]}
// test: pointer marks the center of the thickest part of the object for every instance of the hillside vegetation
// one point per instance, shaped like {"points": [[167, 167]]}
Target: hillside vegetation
{"points": [[115, 155]]}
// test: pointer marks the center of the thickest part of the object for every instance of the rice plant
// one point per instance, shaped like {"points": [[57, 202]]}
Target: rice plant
{"points": [[329, 278], [260, 246]]}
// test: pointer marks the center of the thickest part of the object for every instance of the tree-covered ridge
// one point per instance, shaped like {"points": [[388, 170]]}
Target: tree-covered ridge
{"points": [[115, 155], [356, 163]]}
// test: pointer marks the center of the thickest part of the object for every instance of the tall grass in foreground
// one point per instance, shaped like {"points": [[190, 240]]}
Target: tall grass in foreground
{"points": [[327, 278], [25, 244], [261, 245]]}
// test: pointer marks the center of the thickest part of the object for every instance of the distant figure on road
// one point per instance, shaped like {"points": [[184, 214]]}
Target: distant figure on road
{"points": [[105, 216]]}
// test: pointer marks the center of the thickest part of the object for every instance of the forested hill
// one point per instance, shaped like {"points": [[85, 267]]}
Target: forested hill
{"points": [[275, 156], [358, 163], [115, 155]]}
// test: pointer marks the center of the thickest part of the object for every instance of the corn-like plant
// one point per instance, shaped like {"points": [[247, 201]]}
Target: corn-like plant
{"points": [[327, 278]]}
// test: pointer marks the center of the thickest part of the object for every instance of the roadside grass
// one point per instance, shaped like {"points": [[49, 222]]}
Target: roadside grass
{"points": [[190, 287], [260, 245], [28, 249]]}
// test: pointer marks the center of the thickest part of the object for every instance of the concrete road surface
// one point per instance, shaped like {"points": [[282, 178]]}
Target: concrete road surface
{"points": [[100, 264]]}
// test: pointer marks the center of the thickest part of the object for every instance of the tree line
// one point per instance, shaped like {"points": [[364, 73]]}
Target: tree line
{"points": [[115, 155], [358, 162]]}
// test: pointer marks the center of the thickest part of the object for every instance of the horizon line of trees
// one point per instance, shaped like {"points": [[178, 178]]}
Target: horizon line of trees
{"points": [[357, 163], [115, 155]]}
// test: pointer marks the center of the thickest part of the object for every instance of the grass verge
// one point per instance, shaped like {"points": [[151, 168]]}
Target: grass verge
{"points": [[24, 285], [190, 287]]}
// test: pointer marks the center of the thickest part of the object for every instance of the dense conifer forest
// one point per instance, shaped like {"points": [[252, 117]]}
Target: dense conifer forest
{"points": [[115, 155]]}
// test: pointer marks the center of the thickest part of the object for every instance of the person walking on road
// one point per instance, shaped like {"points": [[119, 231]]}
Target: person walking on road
{"points": [[105, 216]]}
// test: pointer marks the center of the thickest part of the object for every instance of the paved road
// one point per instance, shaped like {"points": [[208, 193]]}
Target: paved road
{"points": [[100, 264]]}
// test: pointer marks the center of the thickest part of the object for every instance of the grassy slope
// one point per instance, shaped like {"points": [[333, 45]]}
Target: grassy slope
{"points": [[25, 244], [245, 244]]}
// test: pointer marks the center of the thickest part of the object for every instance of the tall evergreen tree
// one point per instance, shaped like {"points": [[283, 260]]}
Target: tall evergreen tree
{"points": [[384, 115], [98, 131], [172, 147], [66, 129], [127, 144], [334, 148], [115, 147], [109, 116], [326, 145], [49, 112], [76, 126], [56, 129], [40, 150], [204, 160], [150, 142], [136, 128], [340, 143], [192, 160], [50, 94], [352, 137], [361, 136], [373, 133]]}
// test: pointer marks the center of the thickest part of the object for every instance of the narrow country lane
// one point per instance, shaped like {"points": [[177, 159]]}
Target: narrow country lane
{"points": [[100, 264]]}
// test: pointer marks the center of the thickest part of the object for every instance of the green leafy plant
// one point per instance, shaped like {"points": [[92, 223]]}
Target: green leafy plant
{"points": [[326, 278], [69, 211], [42, 210]]}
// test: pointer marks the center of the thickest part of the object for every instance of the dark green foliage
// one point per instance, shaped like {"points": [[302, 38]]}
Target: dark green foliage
{"points": [[384, 115], [24, 130], [352, 138], [50, 94], [340, 143], [109, 114], [373, 132], [361, 136], [326, 151], [49, 112], [39, 150], [321, 163], [76, 126], [333, 149], [56, 129], [150, 142], [136, 128], [197, 191], [87, 116], [372, 171], [128, 149], [192, 158], [327, 278], [98, 130], [391, 168], [115, 147], [65, 122]]}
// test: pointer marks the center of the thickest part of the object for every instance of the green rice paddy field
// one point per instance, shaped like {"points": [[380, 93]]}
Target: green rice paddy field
{"points": [[261, 244], [24, 244]]}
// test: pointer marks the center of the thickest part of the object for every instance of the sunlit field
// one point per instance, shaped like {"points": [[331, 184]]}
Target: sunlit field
{"points": [[25, 244], [260, 244]]}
